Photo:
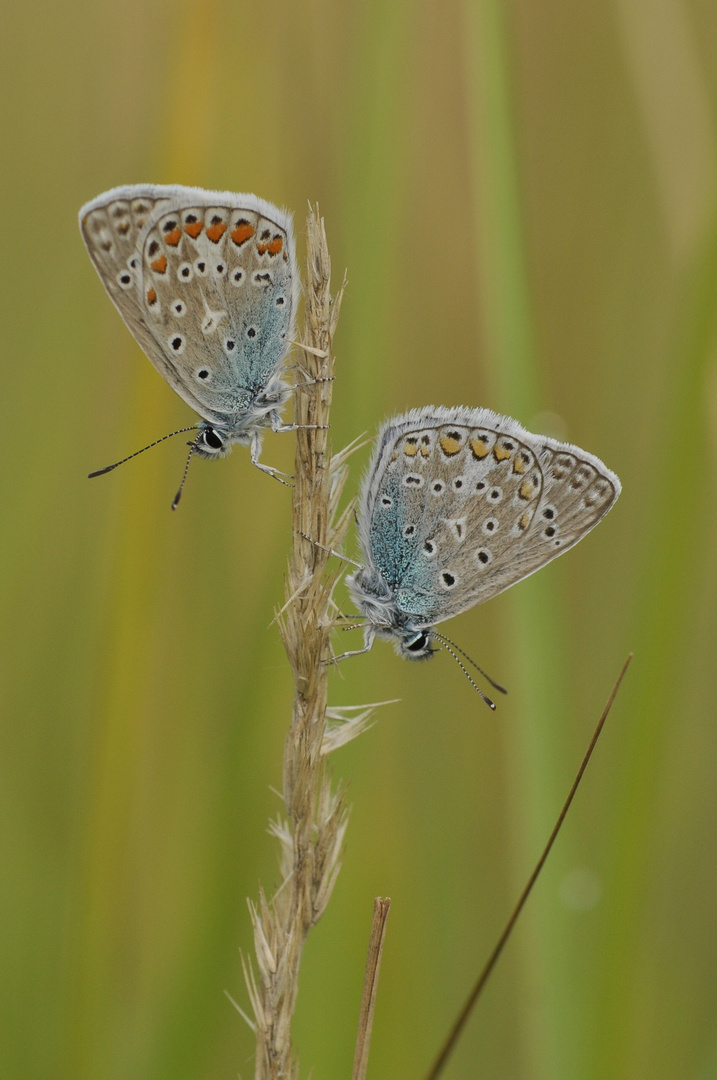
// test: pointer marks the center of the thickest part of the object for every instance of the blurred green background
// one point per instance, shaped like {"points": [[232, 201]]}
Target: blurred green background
{"points": [[524, 196]]}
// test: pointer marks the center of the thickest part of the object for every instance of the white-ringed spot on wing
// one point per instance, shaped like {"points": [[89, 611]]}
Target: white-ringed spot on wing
{"points": [[581, 477], [386, 502], [448, 580], [495, 495], [133, 263], [529, 488], [203, 375], [503, 449], [185, 272], [409, 530], [280, 301], [480, 487], [562, 466], [125, 279], [549, 513], [176, 344], [411, 480], [598, 493], [490, 526], [251, 332], [522, 462], [230, 344], [438, 487], [483, 557], [458, 483], [200, 267], [237, 277], [457, 527], [179, 308], [430, 548], [219, 269]]}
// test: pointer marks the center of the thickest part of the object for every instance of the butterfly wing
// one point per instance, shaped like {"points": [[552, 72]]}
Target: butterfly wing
{"points": [[460, 504], [206, 282]]}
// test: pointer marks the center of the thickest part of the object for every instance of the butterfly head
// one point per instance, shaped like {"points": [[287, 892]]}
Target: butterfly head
{"points": [[211, 442]]}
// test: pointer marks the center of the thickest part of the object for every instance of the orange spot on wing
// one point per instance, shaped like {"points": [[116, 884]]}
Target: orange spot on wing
{"points": [[449, 446], [410, 449], [172, 238], [480, 449], [262, 248], [524, 522], [216, 232], [193, 229], [159, 265], [526, 489], [276, 245], [242, 232], [151, 297], [500, 453]]}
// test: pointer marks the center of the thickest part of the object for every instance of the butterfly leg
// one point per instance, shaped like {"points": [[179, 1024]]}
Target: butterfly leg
{"points": [[276, 473], [331, 551], [369, 635]]}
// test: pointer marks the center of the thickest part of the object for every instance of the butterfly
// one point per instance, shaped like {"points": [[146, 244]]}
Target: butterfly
{"points": [[459, 504], [207, 283]]}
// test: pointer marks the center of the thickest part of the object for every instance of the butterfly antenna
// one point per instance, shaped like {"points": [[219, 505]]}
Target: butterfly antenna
{"points": [[109, 468], [447, 646], [177, 497], [493, 683]]}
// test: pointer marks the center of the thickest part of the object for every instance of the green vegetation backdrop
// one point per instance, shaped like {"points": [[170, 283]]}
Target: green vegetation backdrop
{"points": [[524, 196]]}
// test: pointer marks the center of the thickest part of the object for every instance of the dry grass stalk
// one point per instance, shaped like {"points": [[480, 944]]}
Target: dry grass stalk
{"points": [[381, 908], [311, 835]]}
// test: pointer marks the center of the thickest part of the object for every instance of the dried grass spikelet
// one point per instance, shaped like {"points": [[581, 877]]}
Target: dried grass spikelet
{"points": [[311, 834]]}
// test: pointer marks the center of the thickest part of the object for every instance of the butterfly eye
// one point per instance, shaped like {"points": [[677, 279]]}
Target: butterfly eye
{"points": [[211, 439], [419, 643]]}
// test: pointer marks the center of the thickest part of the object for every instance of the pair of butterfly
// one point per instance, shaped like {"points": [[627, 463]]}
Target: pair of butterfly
{"points": [[458, 504]]}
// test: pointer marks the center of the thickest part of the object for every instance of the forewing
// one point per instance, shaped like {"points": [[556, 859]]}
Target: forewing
{"points": [[207, 284], [476, 505], [220, 294]]}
